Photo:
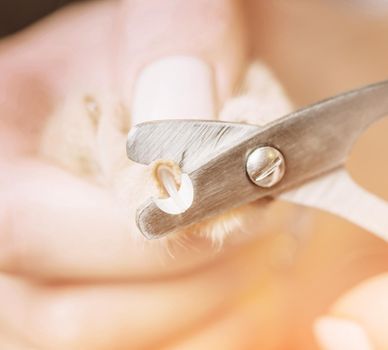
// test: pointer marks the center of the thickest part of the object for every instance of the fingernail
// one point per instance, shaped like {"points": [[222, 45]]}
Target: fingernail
{"points": [[338, 334], [174, 87]]}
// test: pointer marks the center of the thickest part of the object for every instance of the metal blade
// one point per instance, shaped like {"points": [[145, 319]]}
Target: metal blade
{"points": [[189, 143], [314, 140]]}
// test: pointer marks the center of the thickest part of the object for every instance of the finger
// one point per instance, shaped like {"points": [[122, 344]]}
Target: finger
{"points": [[358, 320], [151, 30], [132, 316], [59, 226]]}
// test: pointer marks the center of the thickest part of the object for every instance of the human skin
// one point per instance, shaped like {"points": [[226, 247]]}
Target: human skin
{"points": [[109, 293]]}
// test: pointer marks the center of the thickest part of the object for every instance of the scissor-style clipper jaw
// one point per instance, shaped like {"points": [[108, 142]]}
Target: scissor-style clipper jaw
{"points": [[217, 155], [191, 144]]}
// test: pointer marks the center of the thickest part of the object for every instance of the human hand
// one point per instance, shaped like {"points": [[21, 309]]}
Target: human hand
{"points": [[76, 275]]}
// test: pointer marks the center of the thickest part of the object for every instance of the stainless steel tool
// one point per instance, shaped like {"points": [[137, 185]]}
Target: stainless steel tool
{"points": [[299, 157]]}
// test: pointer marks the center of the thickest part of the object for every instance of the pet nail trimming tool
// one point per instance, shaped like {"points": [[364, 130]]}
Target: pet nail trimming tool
{"points": [[299, 157]]}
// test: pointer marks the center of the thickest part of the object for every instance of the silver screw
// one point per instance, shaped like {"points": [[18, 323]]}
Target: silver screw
{"points": [[265, 166]]}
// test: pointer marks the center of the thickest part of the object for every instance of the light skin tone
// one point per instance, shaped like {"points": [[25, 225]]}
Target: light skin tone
{"points": [[74, 276]]}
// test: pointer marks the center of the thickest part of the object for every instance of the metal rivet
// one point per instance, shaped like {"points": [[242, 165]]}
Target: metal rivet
{"points": [[265, 166]]}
